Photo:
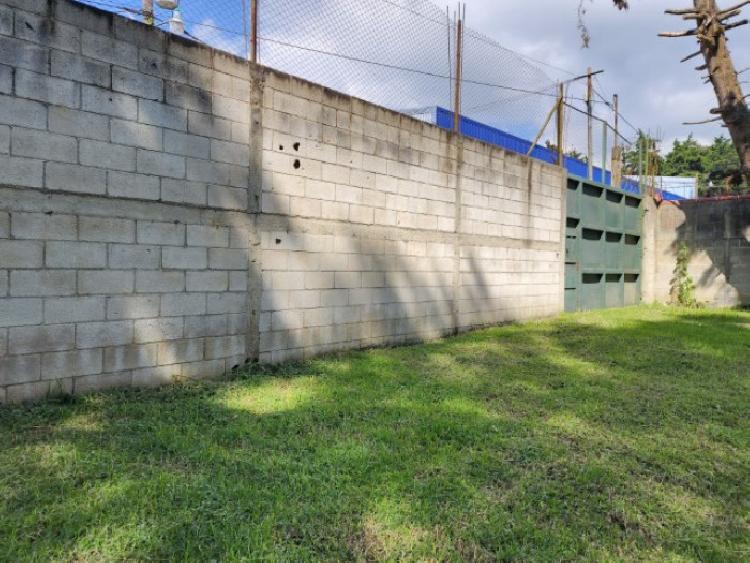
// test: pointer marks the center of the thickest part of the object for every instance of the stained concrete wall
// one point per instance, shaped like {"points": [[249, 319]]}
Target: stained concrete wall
{"points": [[717, 233], [169, 211]]}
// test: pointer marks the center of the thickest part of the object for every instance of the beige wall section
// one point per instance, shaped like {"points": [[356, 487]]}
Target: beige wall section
{"points": [[375, 231], [169, 211], [718, 236]]}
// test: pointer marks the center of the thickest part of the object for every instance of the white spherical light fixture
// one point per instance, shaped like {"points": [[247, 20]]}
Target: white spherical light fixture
{"points": [[168, 4]]}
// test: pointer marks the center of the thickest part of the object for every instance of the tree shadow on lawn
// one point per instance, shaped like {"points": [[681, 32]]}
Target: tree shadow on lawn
{"points": [[577, 438]]}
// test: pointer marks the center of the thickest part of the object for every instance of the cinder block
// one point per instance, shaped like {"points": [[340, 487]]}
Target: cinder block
{"points": [[206, 171], [74, 178], [106, 282], [135, 186], [207, 281], [19, 369], [208, 125], [80, 69], [155, 113], [137, 84], [181, 304], [225, 347], [104, 333], [218, 303], [158, 64], [158, 330], [106, 229], [184, 258], [180, 351], [43, 145], [158, 282], [102, 382], [224, 197], [105, 48], [48, 89], [45, 338], [106, 155], [6, 79], [133, 307], [136, 33], [188, 97], [44, 226], [186, 145], [137, 256], [182, 191], [47, 32], [82, 16], [26, 113], [6, 20], [151, 232], [232, 153], [22, 171], [229, 108], [207, 235], [57, 365], [78, 123], [128, 357], [206, 325], [20, 254], [74, 309], [156, 376], [137, 135], [161, 164], [40, 283], [22, 55], [20, 312], [98, 100], [228, 259], [4, 224], [73, 255]]}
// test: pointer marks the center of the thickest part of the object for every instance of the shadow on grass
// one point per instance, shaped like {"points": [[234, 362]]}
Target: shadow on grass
{"points": [[601, 436]]}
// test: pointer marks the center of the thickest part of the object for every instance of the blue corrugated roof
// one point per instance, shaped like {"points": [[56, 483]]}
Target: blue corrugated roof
{"points": [[503, 139]]}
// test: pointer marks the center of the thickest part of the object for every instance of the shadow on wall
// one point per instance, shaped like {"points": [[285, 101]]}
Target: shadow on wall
{"points": [[471, 448], [717, 234]]}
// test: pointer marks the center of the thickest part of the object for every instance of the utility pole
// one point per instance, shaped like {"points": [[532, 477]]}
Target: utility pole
{"points": [[604, 152], [590, 114], [148, 12], [459, 68], [616, 149], [254, 31], [560, 124]]}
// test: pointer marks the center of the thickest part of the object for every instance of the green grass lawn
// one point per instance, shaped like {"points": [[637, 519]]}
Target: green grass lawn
{"points": [[604, 436]]}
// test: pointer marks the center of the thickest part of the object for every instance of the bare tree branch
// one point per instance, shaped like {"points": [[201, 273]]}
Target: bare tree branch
{"points": [[680, 12], [687, 33], [690, 56], [736, 24], [702, 122], [735, 7]]}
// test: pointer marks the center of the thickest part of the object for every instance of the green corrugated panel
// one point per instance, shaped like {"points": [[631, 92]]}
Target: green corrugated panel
{"points": [[632, 289], [632, 217], [614, 210], [613, 251], [572, 206], [591, 292], [593, 206], [592, 249], [614, 290]]}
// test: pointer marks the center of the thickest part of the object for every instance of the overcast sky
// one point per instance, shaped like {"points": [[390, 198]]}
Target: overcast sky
{"points": [[656, 91]]}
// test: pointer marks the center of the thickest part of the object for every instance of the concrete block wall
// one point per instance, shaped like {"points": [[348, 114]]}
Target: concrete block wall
{"points": [[169, 211], [377, 228], [717, 233]]}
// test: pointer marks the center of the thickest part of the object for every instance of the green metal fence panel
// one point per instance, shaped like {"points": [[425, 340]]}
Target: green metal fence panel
{"points": [[603, 246], [614, 210], [572, 207], [614, 290], [592, 248], [591, 292], [632, 215], [632, 289]]}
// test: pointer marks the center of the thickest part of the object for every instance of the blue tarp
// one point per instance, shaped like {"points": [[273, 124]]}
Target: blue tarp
{"points": [[500, 138]]}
